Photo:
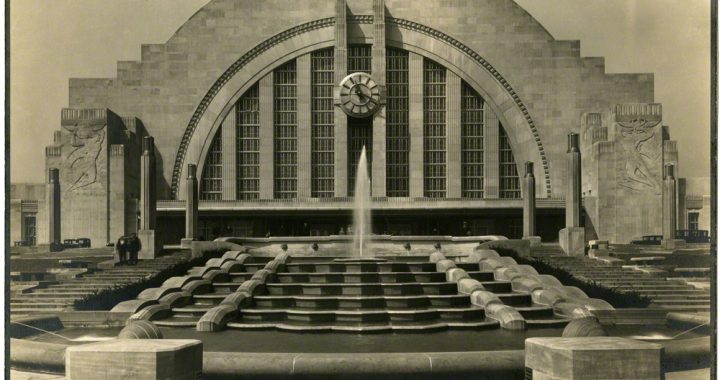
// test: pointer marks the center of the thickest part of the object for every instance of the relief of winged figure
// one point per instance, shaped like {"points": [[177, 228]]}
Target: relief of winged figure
{"points": [[642, 145], [86, 144]]}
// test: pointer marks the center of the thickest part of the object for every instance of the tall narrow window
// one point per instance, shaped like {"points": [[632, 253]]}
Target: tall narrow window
{"points": [[359, 135], [509, 180], [211, 181], [693, 221], [360, 59], [323, 121], [434, 149], [248, 145], [285, 117], [397, 131], [472, 143]]}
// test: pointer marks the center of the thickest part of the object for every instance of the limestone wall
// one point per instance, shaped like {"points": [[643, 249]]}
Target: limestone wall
{"points": [[553, 81]]}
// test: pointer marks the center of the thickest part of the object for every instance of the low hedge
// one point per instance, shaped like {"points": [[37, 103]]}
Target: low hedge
{"points": [[106, 299], [615, 297]]}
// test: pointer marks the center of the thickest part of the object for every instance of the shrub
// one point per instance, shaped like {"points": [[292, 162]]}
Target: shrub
{"points": [[615, 297], [106, 299]]}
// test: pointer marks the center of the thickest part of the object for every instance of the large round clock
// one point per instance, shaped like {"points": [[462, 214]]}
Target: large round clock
{"points": [[359, 95]]}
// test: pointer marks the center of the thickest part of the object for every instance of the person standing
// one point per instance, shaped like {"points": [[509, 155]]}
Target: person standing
{"points": [[121, 248], [133, 248]]}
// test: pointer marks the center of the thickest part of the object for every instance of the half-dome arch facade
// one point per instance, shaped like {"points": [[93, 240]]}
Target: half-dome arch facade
{"points": [[249, 92]]}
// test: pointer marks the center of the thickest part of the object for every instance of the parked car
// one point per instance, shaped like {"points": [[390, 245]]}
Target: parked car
{"points": [[648, 240], [693, 236], [70, 243], [83, 242]]}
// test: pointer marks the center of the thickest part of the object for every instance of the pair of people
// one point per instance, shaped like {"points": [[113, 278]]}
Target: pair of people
{"points": [[128, 244]]}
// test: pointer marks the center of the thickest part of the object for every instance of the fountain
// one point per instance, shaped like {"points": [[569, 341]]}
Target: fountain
{"points": [[361, 208]]}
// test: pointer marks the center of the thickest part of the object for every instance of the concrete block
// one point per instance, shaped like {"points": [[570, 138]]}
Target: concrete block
{"points": [[593, 358], [179, 281], [456, 274], [237, 299], [572, 241], [469, 285], [232, 255], [444, 265], [186, 243], [509, 318], [176, 299], [198, 287], [535, 241], [146, 359], [481, 254], [152, 312], [251, 287], [217, 318], [150, 244], [673, 243], [436, 256], [156, 293], [133, 306]]}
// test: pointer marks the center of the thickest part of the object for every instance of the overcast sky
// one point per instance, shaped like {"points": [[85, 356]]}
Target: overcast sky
{"points": [[53, 40]]}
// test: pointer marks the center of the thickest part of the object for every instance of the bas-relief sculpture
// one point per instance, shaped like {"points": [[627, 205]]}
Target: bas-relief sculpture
{"points": [[641, 144], [84, 148]]}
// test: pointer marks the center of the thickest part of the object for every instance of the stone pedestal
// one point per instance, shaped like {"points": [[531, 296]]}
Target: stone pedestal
{"points": [[137, 359], [672, 243], [186, 243], [572, 241], [534, 240], [150, 244], [593, 358]]}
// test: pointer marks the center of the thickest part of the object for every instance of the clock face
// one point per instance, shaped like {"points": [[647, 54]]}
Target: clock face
{"points": [[359, 95]]}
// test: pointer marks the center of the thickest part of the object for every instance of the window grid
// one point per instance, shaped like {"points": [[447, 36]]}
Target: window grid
{"points": [[472, 143], [248, 145], [509, 180], [693, 221], [397, 132], [359, 135], [211, 182], [360, 59], [434, 149], [285, 142], [323, 125]]}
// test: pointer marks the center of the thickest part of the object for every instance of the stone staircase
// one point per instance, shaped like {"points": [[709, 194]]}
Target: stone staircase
{"points": [[665, 293], [403, 293], [61, 297]]}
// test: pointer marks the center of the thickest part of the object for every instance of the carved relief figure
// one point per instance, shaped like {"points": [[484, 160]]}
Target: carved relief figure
{"points": [[81, 166], [642, 146]]}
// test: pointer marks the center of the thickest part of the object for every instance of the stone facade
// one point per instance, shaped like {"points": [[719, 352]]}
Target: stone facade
{"points": [[98, 159], [182, 92]]}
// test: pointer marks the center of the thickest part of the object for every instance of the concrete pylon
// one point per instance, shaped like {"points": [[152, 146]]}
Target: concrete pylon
{"points": [[150, 246], [148, 185], [191, 206], [529, 205], [669, 222], [53, 197], [572, 237], [574, 180]]}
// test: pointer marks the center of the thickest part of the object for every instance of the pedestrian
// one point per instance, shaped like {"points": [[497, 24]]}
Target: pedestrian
{"points": [[133, 248], [121, 248]]}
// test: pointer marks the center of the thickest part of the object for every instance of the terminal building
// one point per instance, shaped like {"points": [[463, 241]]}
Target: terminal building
{"points": [[275, 100]]}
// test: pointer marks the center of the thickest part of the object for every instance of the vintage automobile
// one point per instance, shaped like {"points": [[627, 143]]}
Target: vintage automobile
{"points": [[693, 236], [648, 240]]}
